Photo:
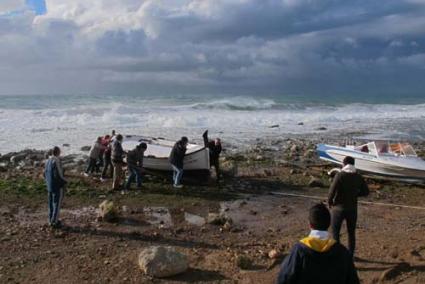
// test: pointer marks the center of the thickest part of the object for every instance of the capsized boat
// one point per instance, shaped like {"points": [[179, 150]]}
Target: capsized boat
{"points": [[396, 160], [156, 156]]}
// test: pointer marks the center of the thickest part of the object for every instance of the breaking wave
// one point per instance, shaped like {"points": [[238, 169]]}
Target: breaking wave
{"points": [[235, 118]]}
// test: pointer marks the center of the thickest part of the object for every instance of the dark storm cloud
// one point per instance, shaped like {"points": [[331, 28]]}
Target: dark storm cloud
{"points": [[309, 47]]}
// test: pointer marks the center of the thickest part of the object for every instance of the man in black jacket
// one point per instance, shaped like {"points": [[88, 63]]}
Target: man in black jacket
{"points": [[176, 160], [214, 147], [135, 165], [346, 187], [318, 258]]}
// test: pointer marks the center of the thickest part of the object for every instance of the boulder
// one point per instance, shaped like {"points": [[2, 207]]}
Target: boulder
{"points": [[15, 159], [321, 128], [218, 219], [294, 149], [160, 262], [274, 254], [315, 182], [107, 211]]}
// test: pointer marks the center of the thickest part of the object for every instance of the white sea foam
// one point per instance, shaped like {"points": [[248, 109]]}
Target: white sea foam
{"points": [[238, 119]]}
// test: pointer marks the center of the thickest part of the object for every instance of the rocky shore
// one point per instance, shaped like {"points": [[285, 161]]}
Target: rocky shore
{"points": [[236, 231]]}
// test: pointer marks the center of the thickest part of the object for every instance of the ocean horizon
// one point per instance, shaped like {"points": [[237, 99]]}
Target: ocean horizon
{"points": [[41, 121]]}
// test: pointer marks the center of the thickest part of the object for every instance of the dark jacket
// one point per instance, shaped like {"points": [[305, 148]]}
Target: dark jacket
{"points": [[214, 150], [177, 155], [135, 158], [345, 189], [117, 153], [318, 261], [53, 175]]}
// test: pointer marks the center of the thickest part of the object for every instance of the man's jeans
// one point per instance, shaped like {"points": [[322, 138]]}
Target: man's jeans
{"points": [[350, 217], [177, 175], [134, 174], [55, 200]]}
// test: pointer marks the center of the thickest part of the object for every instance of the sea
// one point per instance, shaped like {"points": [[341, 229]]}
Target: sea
{"points": [[42, 121]]}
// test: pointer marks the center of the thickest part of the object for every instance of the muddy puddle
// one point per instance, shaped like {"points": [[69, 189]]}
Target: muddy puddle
{"points": [[249, 213]]}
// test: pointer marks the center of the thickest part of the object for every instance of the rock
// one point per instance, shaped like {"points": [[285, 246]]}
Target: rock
{"points": [[228, 225], [321, 128], [3, 169], [217, 219], [274, 126], [300, 123], [292, 172], [294, 149], [160, 262], [259, 158], [243, 262], [85, 148], [315, 182], [274, 254], [65, 145], [17, 158], [107, 211]]}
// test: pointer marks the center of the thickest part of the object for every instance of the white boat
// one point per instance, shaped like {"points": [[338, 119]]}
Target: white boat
{"points": [[197, 157], [396, 160]]}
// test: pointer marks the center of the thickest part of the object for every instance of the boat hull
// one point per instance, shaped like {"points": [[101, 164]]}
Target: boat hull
{"points": [[157, 153], [384, 166]]}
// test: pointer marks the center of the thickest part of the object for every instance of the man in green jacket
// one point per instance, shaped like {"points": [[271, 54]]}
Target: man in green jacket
{"points": [[346, 187]]}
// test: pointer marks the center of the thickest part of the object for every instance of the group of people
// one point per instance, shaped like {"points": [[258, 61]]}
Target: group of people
{"points": [[107, 152], [318, 258]]}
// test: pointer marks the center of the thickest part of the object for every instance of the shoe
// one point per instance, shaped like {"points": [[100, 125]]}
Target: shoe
{"points": [[56, 225], [86, 175], [178, 186]]}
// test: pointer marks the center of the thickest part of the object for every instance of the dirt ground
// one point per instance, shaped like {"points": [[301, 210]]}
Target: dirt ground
{"points": [[390, 240]]}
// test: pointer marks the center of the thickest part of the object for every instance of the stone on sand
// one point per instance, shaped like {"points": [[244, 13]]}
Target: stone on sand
{"points": [[160, 262], [107, 211]]}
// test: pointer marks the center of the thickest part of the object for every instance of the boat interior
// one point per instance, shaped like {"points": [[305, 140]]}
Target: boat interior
{"points": [[379, 148]]}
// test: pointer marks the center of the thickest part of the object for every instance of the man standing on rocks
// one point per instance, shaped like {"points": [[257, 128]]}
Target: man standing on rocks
{"points": [[135, 165], [346, 187], [117, 156], [176, 160], [55, 181], [318, 258], [214, 147]]}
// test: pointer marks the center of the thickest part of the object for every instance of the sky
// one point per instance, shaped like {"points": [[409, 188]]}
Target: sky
{"points": [[261, 47]]}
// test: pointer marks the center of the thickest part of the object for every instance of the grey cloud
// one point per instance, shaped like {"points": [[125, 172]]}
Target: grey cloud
{"points": [[301, 47]]}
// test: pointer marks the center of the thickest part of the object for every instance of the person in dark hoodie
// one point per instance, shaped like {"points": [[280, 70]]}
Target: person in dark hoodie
{"points": [[135, 165], [55, 181], [318, 258], [346, 187], [176, 160], [214, 147]]}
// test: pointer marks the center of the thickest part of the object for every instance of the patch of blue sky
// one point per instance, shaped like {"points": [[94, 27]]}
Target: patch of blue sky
{"points": [[36, 6]]}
